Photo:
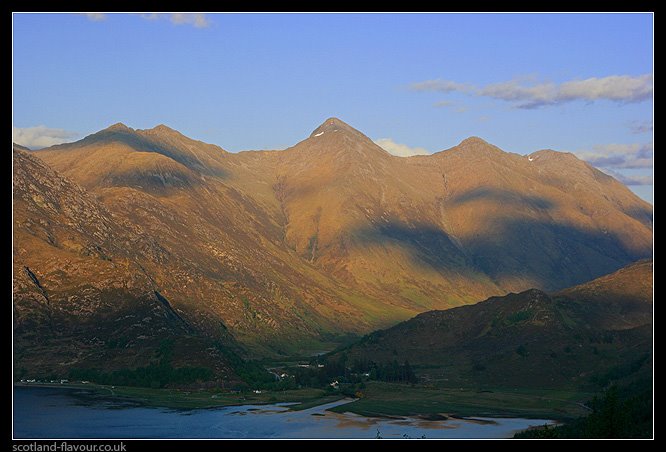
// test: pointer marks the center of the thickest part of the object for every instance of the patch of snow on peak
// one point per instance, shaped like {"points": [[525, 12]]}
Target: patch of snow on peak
{"points": [[319, 134]]}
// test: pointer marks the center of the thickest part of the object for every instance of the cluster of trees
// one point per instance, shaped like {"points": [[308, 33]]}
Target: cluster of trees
{"points": [[155, 375], [620, 371], [618, 413], [251, 372], [349, 374], [392, 372], [346, 371], [151, 376]]}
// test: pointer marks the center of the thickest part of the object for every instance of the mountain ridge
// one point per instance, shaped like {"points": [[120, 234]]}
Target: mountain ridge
{"points": [[335, 236], [527, 339]]}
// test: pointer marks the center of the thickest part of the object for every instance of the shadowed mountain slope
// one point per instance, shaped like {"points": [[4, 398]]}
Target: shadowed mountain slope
{"points": [[528, 339], [82, 295]]}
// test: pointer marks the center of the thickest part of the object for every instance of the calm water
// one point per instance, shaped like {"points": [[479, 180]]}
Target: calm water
{"points": [[60, 413]]}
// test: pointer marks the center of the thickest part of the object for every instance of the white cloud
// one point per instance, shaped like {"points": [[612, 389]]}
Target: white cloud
{"points": [[619, 156], [615, 88], [523, 96], [401, 150], [151, 16], [444, 86], [448, 104], [41, 136], [619, 88], [96, 17], [639, 127], [628, 163], [197, 20]]}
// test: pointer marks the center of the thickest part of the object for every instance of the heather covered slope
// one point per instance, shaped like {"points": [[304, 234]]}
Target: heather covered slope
{"points": [[82, 296], [621, 300], [224, 264], [531, 339]]}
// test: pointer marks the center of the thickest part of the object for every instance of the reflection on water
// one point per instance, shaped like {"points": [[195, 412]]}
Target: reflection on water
{"points": [[59, 413]]}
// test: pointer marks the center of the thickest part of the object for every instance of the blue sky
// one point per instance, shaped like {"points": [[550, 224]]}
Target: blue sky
{"points": [[414, 82]]}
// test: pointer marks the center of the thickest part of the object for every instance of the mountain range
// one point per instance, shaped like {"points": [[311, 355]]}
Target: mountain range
{"points": [[129, 236]]}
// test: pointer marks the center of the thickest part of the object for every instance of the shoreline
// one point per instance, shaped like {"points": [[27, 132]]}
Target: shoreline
{"points": [[148, 397], [297, 400], [269, 422]]}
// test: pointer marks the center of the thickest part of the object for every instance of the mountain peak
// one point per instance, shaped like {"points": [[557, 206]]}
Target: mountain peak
{"points": [[474, 146], [474, 140], [334, 137], [334, 125], [119, 127], [336, 121], [545, 154], [557, 159], [161, 129], [114, 132]]}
